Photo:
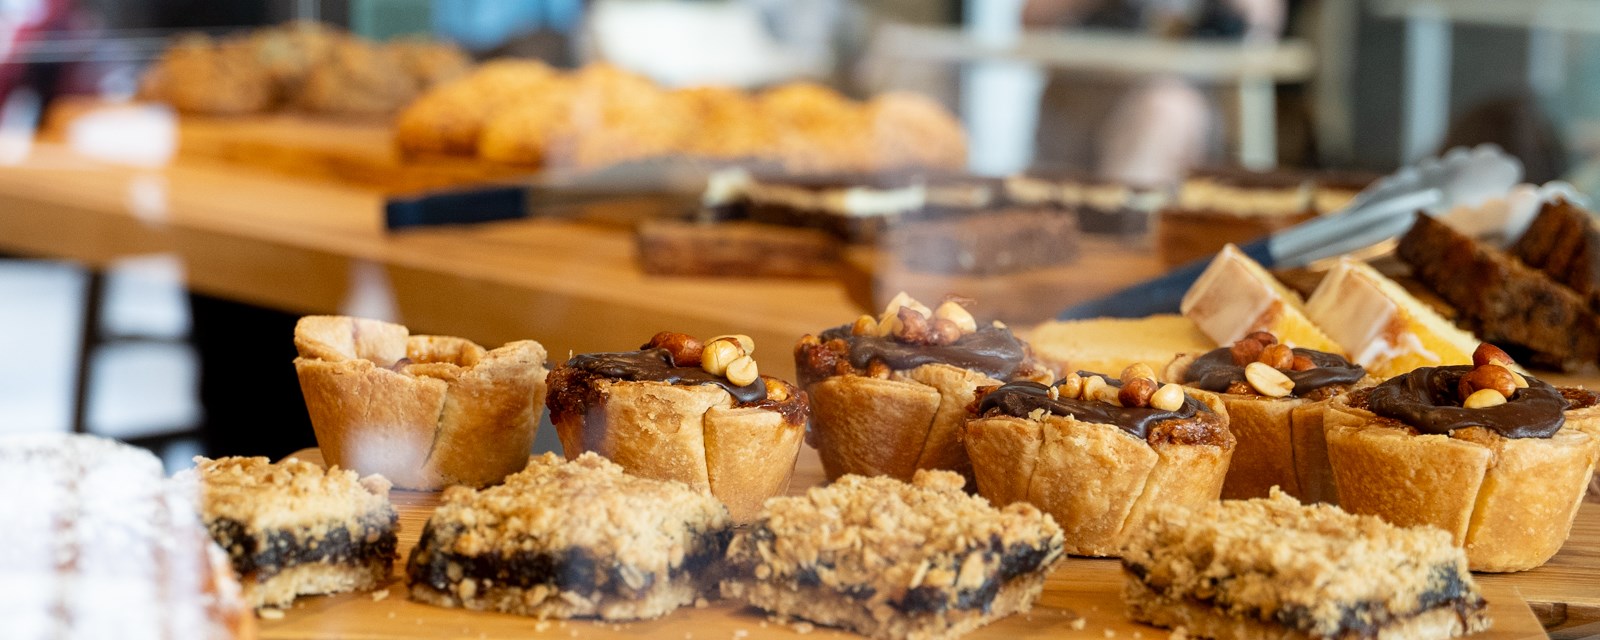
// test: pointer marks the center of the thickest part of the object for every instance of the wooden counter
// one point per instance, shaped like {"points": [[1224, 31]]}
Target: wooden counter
{"points": [[1080, 589], [297, 245]]}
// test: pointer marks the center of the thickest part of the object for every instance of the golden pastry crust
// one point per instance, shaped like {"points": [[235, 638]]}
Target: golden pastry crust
{"points": [[1096, 480], [695, 434], [424, 411], [894, 426], [1509, 502]]}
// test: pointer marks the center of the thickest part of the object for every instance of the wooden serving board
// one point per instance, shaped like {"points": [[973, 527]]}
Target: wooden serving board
{"points": [[1080, 600], [347, 151]]}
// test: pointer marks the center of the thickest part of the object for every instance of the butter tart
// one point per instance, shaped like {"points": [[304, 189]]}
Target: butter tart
{"points": [[426, 412], [1098, 453], [1275, 396], [889, 395], [1497, 459], [681, 409]]}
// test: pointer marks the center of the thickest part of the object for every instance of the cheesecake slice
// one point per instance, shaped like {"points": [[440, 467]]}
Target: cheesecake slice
{"points": [[1235, 297], [1381, 326]]}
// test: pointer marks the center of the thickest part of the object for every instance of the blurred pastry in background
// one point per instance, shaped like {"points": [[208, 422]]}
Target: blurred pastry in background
{"points": [[451, 118]]}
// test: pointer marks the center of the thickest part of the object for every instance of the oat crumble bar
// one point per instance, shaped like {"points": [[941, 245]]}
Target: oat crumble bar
{"points": [[293, 528], [1272, 568], [570, 539], [889, 559]]}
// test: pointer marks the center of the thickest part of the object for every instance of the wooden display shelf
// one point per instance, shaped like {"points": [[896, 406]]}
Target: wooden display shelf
{"points": [[1079, 589]]}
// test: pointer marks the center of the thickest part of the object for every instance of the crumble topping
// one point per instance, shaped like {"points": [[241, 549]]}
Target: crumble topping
{"points": [[1312, 567], [262, 495]]}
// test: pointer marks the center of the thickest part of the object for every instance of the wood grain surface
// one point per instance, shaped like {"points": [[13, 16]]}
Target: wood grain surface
{"points": [[1080, 588]]}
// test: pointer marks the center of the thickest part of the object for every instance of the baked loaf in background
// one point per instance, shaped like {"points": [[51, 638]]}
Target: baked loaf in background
{"points": [[1563, 242], [1498, 460], [679, 409], [524, 113], [1098, 453], [308, 66], [426, 412], [889, 395], [97, 543]]}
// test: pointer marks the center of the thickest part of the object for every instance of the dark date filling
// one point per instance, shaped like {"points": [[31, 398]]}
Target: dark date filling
{"points": [[990, 350], [1216, 372], [1021, 398], [1427, 400], [1364, 619], [1015, 560], [280, 549], [575, 570]]}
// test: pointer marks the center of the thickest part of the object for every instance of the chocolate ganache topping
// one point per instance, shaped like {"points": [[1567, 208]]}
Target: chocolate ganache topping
{"points": [[1427, 400], [656, 365], [1019, 399], [1215, 371], [992, 351]]}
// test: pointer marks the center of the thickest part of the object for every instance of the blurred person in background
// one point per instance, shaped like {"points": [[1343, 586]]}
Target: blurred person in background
{"points": [[1148, 132]]}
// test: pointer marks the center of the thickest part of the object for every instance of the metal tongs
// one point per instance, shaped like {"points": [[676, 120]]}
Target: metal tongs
{"points": [[1460, 178]]}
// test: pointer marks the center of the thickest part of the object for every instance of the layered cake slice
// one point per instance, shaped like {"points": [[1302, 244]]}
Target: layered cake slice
{"points": [[1273, 568], [1501, 299], [1381, 326], [1235, 297], [97, 543], [889, 559], [294, 528], [569, 539]]}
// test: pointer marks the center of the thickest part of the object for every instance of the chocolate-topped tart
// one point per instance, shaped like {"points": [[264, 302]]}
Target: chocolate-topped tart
{"points": [[1098, 453], [890, 559], [889, 394], [681, 409], [1276, 396], [1273, 568], [1498, 459]]}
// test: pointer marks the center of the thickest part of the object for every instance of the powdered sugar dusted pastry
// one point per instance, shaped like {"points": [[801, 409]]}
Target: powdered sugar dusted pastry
{"points": [[568, 539], [294, 528], [679, 409], [888, 559], [97, 543], [889, 395], [1272, 568], [424, 411], [1098, 453]]}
